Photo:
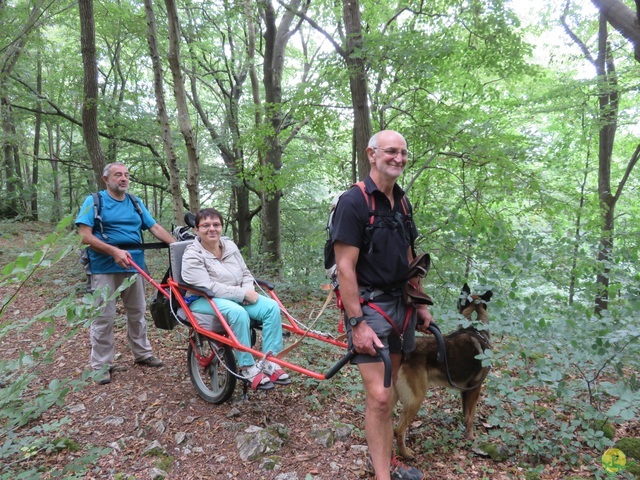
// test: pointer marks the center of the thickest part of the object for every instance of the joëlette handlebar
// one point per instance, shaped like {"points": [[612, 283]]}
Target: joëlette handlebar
{"points": [[435, 330], [352, 353]]}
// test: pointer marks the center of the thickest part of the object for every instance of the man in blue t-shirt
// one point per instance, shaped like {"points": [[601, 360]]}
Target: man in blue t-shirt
{"points": [[110, 267]]}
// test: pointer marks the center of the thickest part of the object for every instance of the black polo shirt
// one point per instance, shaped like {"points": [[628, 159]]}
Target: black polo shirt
{"points": [[382, 262]]}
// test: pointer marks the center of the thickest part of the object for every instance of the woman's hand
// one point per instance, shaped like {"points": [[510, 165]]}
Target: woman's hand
{"points": [[250, 297]]}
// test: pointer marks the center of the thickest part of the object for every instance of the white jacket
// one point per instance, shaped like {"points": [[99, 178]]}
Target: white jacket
{"points": [[227, 278]]}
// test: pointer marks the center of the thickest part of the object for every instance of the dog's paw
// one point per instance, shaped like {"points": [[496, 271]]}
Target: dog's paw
{"points": [[405, 452]]}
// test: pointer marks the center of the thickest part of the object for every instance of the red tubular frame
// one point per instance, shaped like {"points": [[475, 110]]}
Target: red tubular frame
{"points": [[171, 288]]}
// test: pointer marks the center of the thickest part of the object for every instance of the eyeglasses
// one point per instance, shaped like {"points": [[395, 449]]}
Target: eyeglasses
{"points": [[207, 226], [393, 151]]}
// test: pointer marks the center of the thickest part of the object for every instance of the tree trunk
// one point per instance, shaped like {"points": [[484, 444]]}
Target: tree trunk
{"points": [[9, 207], [8, 58], [623, 19], [56, 215], [163, 119], [358, 84], [275, 40], [608, 99], [352, 53], [90, 103], [36, 146], [193, 173], [578, 232]]}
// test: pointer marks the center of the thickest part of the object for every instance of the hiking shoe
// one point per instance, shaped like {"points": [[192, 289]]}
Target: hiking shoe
{"points": [[150, 362], [103, 379], [118, 368], [254, 377], [276, 374], [402, 471]]}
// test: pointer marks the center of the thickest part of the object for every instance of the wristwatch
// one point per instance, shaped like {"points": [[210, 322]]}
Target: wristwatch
{"points": [[353, 321]]}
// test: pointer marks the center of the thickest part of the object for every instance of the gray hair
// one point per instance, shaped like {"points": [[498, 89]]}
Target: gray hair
{"points": [[107, 168], [373, 141]]}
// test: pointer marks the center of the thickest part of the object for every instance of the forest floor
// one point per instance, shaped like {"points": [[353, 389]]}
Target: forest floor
{"points": [[143, 405]]}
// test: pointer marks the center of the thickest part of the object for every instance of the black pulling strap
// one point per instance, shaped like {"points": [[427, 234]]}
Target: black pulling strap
{"points": [[442, 358]]}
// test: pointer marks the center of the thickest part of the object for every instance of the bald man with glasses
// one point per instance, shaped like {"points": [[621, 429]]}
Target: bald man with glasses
{"points": [[372, 263]]}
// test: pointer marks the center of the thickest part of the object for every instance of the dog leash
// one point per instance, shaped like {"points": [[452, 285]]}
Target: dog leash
{"points": [[442, 358]]}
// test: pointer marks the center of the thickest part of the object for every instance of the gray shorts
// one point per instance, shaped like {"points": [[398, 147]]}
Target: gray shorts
{"points": [[396, 310]]}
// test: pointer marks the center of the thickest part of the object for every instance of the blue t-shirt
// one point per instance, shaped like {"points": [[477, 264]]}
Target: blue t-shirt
{"points": [[121, 223]]}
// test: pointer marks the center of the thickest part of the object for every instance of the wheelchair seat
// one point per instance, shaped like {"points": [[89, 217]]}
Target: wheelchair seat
{"points": [[206, 321]]}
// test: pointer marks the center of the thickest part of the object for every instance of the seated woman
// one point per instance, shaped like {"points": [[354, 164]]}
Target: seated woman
{"points": [[214, 262]]}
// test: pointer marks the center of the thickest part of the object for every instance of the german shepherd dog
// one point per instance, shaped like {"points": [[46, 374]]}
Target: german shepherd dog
{"points": [[420, 369]]}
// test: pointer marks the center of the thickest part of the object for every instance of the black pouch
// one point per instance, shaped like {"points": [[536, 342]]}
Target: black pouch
{"points": [[161, 313], [160, 308]]}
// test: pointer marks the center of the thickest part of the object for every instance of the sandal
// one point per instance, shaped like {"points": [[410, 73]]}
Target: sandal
{"points": [[276, 374], [254, 377]]}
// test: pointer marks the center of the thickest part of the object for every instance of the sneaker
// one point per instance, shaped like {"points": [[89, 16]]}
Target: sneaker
{"points": [[402, 471], [276, 374], [150, 362], [103, 379], [254, 376]]}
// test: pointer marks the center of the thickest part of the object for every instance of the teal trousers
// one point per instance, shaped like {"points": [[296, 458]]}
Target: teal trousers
{"points": [[265, 311]]}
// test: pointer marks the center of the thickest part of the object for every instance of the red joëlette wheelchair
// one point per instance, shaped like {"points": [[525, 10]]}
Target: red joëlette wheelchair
{"points": [[210, 359]]}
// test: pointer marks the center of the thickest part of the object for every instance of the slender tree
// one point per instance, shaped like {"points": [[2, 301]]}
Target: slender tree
{"points": [[91, 100], [276, 37], [608, 103], [355, 59], [10, 158], [184, 120], [163, 118]]}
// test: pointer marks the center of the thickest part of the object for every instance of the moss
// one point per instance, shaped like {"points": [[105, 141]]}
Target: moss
{"points": [[155, 452], [498, 453], [67, 443], [165, 463], [634, 469], [532, 476], [609, 431], [630, 446], [270, 463]]}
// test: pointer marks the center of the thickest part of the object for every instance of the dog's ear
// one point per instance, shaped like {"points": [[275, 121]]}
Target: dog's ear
{"points": [[487, 295], [464, 298]]}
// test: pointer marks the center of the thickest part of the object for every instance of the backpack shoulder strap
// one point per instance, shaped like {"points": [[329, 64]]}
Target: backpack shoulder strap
{"points": [[135, 202], [371, 202], [97, 209], [405, 206]]}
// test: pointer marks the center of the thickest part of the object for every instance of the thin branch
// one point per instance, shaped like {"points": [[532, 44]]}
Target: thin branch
{"points": [[317, 28], [574, 37], [627, 173]]}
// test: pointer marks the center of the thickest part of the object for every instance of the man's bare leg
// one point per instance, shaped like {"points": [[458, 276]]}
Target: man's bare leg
{"points": [[378, 425]]}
